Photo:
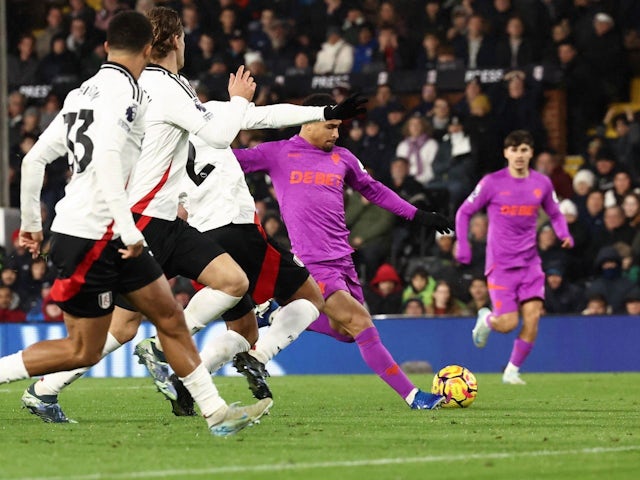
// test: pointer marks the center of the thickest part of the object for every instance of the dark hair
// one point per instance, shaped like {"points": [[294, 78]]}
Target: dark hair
{"points": [[518, 137], [130, 31], [165, 23], [319, 100]]}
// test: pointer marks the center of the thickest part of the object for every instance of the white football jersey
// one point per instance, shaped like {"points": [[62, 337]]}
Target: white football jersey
{"points": [[104, 116], [174, 112], [215, 187]]}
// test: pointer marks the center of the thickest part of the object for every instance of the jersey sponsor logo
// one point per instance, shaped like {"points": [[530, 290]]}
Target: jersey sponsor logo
{"points": [[105, 300], [132, 111], [315, 177], [518, 210]]}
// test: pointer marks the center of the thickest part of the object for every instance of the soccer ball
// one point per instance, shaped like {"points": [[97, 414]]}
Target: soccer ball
{"points": [[457, 384]]}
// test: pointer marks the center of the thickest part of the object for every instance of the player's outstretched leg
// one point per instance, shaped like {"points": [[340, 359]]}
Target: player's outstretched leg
{"points": [[41, 397], [482, 329], [426, 401]]}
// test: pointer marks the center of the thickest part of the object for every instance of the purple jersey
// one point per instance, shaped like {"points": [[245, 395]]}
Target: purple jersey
{"points": [[512, 207], [309, 184]]}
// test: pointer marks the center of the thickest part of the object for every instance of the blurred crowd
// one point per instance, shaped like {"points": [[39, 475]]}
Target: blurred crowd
{"points": [[430, 147]]}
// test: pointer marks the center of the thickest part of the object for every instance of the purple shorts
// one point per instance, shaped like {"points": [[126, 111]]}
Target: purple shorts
{"points": [[331, 276], [511, 287]]}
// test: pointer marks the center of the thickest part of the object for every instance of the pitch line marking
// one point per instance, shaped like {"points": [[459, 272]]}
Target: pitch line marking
{"points": [[338, 464]]}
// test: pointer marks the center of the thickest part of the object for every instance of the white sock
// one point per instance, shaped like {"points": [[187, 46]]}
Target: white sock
{"points": [[204, 307], [288, 324], [207, 305], [411, 397], [222, 348], [205, 394], [12, 368], [511, 368], [54, 383]]}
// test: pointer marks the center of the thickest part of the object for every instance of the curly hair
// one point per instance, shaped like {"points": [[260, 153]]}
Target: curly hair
{"points": [[166, 23]]}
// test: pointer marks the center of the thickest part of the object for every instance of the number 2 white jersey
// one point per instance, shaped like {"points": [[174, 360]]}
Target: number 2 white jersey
{"points": [[215, 187], [103, 116], [174, 113]]}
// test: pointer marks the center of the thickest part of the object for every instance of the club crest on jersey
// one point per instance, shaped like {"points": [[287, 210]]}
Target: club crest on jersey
{"points": [[105, 300], [132, 111]]}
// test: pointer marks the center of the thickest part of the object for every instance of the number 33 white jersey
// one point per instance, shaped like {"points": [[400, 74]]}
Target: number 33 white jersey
{"points": [[102, 118]]}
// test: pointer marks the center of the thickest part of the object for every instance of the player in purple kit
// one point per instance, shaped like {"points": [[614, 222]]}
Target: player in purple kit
{"points": [[309, 174], [512, 197]]}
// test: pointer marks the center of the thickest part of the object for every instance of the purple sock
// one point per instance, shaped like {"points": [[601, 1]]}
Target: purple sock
{"points": [[378, 358], [520, 352]]}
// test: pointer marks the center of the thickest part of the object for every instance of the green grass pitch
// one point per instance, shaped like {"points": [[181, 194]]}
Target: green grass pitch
{"points": [[559, 426]]}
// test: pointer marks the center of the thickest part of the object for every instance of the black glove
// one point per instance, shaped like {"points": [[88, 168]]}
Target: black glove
{"points": [[434, 220], [351, 107]]}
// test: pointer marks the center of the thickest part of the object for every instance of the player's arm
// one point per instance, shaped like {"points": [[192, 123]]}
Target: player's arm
{"points": [[50, 146], [288, 115], [215, 129], [108, 169], [559, 223], [359, 179], [477, 200]]}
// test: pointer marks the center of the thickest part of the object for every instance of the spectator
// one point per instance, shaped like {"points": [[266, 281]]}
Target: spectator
{"points": [[353, 23], [622, 185], [605, 169], [518, 107], [609, 281], [475, 48], [615, 227], [22, 67], [335, 55], [453, 167], [80, 9], [428, 95], [419, 148], [390, 55], [576, 265], [549, 247], [444, 303], [377, 150], [301, 64], [440, 117], [631, 208], [80, 41], [280, 53], [421, 287], [583, 181], [561, 297], [626, 144], [408, 238], [17, 103], [192, 29], [236, 51], [7, 314], [594, 215], [384, 293], [60, 65], [479, 293], [54, 26], [384, 101], [603, 50], [632, 302], [413, 307], [107, 12], [597, 305], [516, 50], [9, 278], [364, 49], [428, 54], [584, 98], [630, 269], [548, 163]]}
